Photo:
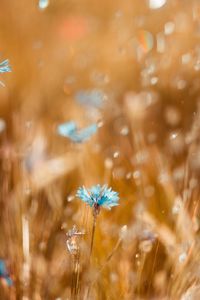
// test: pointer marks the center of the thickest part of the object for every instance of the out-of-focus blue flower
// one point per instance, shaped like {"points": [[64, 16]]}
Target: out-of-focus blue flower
{"points": [[43, 4], [4, 273], [98, 196], [4, 66], [93, 98], [70, 130]]}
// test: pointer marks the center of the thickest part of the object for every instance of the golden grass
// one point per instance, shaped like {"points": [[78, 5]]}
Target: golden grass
{"points": [[147, 149]]}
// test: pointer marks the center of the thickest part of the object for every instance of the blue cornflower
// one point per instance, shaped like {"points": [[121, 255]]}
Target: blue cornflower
{"points": [[43, 4], [4, 273], [70, 130], [98, 196], [4, 66]]}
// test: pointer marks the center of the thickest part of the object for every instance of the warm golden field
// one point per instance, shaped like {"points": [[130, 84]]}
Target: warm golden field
{"points": [[136, 69]]}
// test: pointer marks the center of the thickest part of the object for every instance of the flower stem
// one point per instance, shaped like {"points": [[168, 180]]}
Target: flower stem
{"points": [[95, 213], [75, 277], [93, 234]]}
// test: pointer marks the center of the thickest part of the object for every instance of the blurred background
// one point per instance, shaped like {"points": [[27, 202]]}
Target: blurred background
{"points": [[132, 68]]}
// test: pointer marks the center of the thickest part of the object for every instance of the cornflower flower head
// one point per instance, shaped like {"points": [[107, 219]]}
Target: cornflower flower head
{"points": [[71, 131], [98, 196], [4, 66]]}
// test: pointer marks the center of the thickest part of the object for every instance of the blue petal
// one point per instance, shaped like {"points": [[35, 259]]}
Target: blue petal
{"points": [[109, 198], [4, 272], [43, 4], [4, 66], [84, 134], [95, 191], [90, 98], [9, 281], [3, 269], [67, 129], [102, 195], [83, 194]]}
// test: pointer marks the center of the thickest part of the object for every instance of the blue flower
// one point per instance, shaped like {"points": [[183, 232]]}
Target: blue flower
{"points": [[43, 4], [4, 66], [4, 273], [70, 130], [98, 196]]}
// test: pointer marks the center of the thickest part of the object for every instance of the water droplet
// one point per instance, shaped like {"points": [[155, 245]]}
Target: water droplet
{"points": [[186, 58], [116, 154], [169, 28], [182, 257], [136, 174], [108, 163], [2, 125], [177, 205], [154, 80], [70, 198], [124, 130], [155, 4], [43, 4], [128, 175], [123, 232], [173, 135], [100, 124]]}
